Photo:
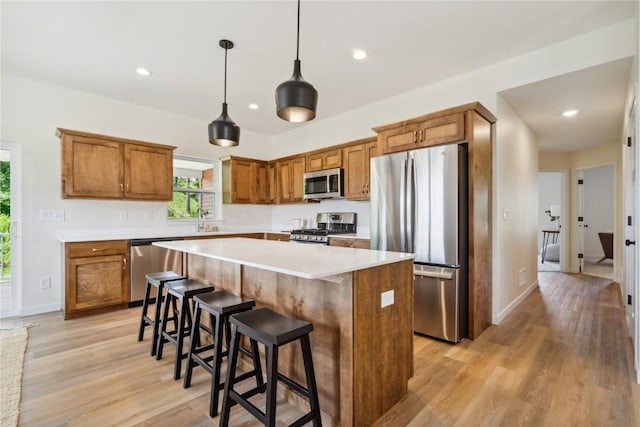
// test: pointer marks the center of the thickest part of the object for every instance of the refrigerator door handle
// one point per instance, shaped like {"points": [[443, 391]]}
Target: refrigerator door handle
{"points": [[411, 194], [447, 275], [403, 207]]}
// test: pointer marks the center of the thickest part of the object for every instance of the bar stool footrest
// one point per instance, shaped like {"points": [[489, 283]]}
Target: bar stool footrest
{"points": [[294, 385]]}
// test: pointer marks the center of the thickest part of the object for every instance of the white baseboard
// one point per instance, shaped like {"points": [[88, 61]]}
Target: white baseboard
{"points": [[40, 309], [508, 309]]}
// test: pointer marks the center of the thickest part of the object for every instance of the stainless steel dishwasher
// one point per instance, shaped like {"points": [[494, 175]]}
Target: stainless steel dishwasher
{"points": [[146, 258]]}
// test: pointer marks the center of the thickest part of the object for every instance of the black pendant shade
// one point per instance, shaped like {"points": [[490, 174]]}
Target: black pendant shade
{"points": [[223, 131], [296, 99]]}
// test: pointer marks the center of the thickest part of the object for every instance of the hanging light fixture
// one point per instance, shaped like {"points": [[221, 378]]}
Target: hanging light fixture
{"points": [[223, 131], [296, 99]]}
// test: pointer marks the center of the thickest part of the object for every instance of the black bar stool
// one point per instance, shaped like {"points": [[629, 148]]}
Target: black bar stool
{"points": [[220, 305], [182, 291], [273, 330], [157, 280]]}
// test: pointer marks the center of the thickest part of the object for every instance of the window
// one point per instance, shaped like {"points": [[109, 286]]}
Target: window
{"points": [[193, 189]]}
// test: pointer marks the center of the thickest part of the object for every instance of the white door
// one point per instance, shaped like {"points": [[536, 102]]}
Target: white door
{"points": [[10, 272], [630, 219]]}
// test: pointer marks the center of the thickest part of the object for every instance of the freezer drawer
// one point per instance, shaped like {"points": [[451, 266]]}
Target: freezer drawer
{"points": [[438, 303]]}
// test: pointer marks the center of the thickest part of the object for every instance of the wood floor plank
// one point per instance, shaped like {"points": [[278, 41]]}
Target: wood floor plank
{"points": [[563, 357]]}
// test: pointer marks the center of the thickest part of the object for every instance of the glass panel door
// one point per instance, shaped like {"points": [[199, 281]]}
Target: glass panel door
{"points": [[9, 252]]}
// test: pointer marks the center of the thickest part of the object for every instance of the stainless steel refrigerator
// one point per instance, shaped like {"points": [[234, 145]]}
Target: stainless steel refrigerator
{"points": [[419, 205]]}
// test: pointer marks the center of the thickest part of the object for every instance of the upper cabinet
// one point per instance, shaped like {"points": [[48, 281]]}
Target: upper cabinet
{"points": [[104, 167], [327, 159], [290, 180], [356, 169], [412, 134], [244, 180]]}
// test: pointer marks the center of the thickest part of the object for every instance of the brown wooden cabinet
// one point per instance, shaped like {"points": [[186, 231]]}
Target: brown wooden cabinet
{"points": [[104, 167], [347, 242], [96, 277], [281, 237], [356, 169], [244, 181], [272, 187], [290, 180], [446, 129], [328, 159]]}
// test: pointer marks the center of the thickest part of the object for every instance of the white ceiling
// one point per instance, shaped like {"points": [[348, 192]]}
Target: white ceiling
{"points": [[96, 46]]}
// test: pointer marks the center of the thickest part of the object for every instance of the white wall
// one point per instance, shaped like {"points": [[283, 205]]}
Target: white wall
{"points": [[598, 208], [31, 111], [549, 193]]}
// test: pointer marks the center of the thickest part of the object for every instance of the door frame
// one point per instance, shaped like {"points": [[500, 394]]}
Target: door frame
{"points": [[574, 264], [565, 217], [16, 227]]}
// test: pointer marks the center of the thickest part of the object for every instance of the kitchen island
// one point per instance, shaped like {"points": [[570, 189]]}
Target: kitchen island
{"points": [[359, 301]]}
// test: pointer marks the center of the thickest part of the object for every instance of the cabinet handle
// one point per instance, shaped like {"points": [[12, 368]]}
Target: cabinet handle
{"points": [[421, 135], [124, 264], [98, 249], [121, 187], [126, 187], [415, 137]]}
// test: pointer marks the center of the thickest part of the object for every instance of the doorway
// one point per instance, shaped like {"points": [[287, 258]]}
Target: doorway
{"points": [[550, 197], [595, 197], [9, 229]]}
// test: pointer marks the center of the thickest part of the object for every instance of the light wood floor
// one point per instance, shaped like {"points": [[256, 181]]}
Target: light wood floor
{"points": [[562, 358]]}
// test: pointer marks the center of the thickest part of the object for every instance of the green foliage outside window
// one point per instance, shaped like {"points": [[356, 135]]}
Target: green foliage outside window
{"points": [[5, 217]]}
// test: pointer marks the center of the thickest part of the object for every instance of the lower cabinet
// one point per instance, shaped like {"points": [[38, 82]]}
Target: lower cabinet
{"points": [[350, 243], [96, 277], [282, 237]]}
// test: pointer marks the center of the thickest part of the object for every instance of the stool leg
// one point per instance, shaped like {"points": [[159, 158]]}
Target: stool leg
{"points": [[145, 305], [156, 323], [192, 347], [163, 328], [184, 308], [217, 363], [272, 385], [257, 366], [311, 380], [232, 361]]}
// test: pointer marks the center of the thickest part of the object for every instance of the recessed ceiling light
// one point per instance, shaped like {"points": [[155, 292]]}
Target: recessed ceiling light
{"points": [[570, 113], [253, 106], [359, 54], [143, 71]]}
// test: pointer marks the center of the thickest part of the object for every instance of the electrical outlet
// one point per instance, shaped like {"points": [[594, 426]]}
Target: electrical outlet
{"points": [[45, 282], [522, 277], [123, 215], [148, 215], [506, 214], [47, 215], [386, 298]]}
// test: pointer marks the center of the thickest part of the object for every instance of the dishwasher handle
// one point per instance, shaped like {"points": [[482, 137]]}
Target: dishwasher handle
{"points": [[148, 242]]}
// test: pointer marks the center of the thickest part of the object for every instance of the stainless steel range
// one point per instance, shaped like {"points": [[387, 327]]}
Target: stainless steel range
{"points": [[328, 223]]}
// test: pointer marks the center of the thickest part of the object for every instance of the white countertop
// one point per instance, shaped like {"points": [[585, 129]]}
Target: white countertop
{"points": [[128, 234], [295, 259]]}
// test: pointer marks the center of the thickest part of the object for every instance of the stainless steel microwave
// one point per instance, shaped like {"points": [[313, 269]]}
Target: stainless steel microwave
{"points": [[325, 184]]}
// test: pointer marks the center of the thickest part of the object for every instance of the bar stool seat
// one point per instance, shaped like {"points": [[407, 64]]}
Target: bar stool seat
{"points": [[156, 280], [183, 292], [273, 330], [220, 305]]}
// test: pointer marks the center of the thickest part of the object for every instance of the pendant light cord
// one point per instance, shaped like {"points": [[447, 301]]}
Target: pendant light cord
{"points": [[225, 75], [298, 40]]}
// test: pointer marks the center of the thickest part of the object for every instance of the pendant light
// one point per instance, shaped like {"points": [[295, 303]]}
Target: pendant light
{"points": [[296, 99], [223, 131]]}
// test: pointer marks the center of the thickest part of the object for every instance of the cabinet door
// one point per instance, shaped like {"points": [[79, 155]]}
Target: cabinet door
{"points": [[242, 181], [314, 162], [92, 168], [399, 139], [262, 182], [96, 281], [272, 184], [441, 130], [356, 172], [332, 159], [284, 182], [149, 172], [297, 179], [350, 243]]}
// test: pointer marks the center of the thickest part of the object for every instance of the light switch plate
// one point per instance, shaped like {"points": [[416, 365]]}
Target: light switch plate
{"points": [[386, 298]]}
